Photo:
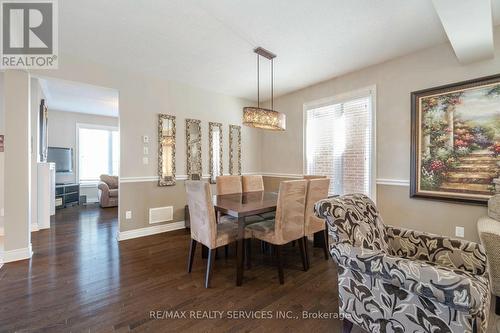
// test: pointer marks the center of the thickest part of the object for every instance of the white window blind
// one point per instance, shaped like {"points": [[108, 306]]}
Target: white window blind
{"points": [[339, 144], [98, 152]]}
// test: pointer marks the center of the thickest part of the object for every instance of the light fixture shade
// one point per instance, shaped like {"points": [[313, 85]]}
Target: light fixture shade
{"points": [[264, 118]]}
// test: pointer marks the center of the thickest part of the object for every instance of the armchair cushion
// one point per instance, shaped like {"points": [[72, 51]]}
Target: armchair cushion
{"points": [[458, 289], [441, 250]]}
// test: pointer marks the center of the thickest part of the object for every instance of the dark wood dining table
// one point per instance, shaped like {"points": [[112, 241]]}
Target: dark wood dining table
{"points": [[242, 205]]}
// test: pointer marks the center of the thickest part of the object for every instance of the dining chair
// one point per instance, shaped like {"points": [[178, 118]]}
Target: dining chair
{"points": [[228, 185], [308, 177], [288, 225], [233, 185], [252, 183], [317, 189], [255, 183], [204, 228]]}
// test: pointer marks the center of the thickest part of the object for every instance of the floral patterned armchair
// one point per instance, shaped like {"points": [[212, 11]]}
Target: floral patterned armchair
{"points": [[397, 280]]}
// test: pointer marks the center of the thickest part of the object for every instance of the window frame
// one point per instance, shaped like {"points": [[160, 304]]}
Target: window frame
{"points": [[370, 91], [77, 148]]}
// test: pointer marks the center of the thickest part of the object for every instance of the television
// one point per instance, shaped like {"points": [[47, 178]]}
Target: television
{"points": [[62, 157]]}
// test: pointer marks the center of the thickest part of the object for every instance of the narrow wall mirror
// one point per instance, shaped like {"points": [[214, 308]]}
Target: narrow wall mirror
{"points": [[193, 146], [166, 150], [215, 153], [234, 150]]}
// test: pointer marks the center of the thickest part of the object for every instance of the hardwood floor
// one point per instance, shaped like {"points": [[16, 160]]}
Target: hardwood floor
{"points": [[81, 279]]}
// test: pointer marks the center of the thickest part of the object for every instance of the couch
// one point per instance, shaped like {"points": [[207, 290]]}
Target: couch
{"points": [[393, 279], [108, 191]]}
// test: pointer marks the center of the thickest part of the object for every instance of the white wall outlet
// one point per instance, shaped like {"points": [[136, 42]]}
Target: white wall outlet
{"points": [[2, 212], [145, 139], [128, 214], [145, 150], [145, 160], [460, 232]]}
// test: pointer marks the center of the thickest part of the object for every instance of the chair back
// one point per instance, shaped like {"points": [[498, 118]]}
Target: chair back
{"points": [[111, 181], [228, 184], [313, 177], [354, 218], [289, 221], [253, 183], [317, 189], [201, 212]]}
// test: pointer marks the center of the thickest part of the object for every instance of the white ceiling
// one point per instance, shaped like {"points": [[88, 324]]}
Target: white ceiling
{"points": [[208, 43], [71, 96]]}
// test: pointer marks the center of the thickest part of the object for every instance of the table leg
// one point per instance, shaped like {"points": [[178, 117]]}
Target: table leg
{"points": [[241, 250]]}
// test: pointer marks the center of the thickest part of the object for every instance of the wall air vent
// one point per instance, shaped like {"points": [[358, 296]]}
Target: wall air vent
{"points": [[161, 214]]}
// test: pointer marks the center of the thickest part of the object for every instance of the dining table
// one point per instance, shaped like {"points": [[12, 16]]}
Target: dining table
{"points": [[241, 206]]}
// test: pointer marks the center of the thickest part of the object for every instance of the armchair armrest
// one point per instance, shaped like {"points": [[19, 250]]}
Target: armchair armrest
{"points": [[441, 250], [103, 189], [456, 289]]}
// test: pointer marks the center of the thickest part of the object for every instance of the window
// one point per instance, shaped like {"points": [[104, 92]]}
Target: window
{"points": [[98, 152], [339, 143]]}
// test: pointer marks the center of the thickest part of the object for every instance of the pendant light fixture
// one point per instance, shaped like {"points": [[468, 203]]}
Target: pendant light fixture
{"points": [[258, 117]]}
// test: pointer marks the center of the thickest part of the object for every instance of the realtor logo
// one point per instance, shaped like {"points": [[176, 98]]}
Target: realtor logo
{"points": [[29, 34]]}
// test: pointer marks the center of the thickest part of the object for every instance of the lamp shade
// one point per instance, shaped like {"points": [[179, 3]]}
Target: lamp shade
{"points": [[264, 118]]}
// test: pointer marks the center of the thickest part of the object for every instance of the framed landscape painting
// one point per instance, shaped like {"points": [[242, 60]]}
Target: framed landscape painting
{"points": [[455, 151]]}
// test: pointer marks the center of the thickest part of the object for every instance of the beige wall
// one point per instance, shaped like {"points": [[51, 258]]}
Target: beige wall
{"points": [[62, 133], [17, 162], [394, 80], [431, 216], [140, 100], [2, 154]]}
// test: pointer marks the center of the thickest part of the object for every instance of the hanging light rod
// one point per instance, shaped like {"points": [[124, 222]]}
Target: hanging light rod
{"points": [[264, 53], [259, 117]]}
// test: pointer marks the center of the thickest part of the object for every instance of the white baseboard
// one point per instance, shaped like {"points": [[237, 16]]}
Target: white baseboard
{"points": [[17, 254], [92, 200], [148, 231]]}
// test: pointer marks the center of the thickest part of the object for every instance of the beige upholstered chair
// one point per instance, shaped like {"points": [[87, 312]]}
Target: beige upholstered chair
{"points": [[289, 223], [228, 185], [489, 233], [253, 183], [232, 185], [108, 191], [308, 177], [204, 228], [317, 189]]}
